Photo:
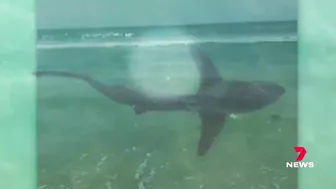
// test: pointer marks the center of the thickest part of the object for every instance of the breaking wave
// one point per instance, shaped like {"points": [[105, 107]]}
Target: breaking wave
{"points": [[158, 42]]}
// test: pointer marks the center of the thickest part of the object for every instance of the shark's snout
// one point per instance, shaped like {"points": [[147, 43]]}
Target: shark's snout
{"points": [[272, 92], [274, 89]]}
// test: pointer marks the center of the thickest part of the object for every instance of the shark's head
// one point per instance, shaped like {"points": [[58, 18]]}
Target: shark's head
{"points": [[249, 96], [265, 93]]}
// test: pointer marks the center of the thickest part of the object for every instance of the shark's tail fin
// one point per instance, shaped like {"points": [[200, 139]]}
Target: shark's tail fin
{"points": [[116, 93], [99, 86], [63, 74]]}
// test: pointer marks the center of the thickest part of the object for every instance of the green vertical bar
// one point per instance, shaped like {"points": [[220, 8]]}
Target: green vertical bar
{"points": [[17, 95], [318, 92]]}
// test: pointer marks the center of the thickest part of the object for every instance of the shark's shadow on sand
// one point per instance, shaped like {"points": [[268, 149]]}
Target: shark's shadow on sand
{"points": [[214, 101]]}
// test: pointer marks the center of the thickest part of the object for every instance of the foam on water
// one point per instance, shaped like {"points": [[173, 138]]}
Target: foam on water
{"points": [[158, 42]]}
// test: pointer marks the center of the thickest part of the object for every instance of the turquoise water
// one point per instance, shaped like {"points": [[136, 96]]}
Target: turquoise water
{"points": [[86, 141]]}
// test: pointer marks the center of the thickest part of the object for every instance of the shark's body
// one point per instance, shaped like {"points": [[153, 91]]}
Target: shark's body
{"points": [[214, 101]]}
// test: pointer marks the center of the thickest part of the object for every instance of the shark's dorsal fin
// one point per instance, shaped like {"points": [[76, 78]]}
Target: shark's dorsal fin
{"points": [[212, 125], [208, 72]]}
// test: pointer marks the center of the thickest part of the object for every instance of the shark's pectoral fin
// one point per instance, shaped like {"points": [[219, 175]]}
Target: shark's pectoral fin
{"points": [[139, 110], [212, 125]]}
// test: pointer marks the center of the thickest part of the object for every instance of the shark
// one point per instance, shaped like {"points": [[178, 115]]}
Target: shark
{"points": [[215, 100]]}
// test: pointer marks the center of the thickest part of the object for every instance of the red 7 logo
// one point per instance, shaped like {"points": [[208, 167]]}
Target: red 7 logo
{"points": [[302, 152]]}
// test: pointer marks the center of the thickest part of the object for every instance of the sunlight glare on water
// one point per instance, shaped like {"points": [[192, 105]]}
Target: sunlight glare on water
{"points": [[164, 71]]}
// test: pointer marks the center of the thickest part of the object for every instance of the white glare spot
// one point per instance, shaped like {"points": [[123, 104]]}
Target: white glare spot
{"points": [[233, 116]]}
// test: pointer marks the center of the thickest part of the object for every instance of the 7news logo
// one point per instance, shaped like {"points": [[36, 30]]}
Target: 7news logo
{"points": [[299, 163]]}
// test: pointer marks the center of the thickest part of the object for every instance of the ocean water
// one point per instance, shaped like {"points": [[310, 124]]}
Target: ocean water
{"points": [[86, 141]]}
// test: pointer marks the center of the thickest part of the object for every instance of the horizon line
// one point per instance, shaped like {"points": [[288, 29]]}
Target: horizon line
{"points": [[163, 25]]}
